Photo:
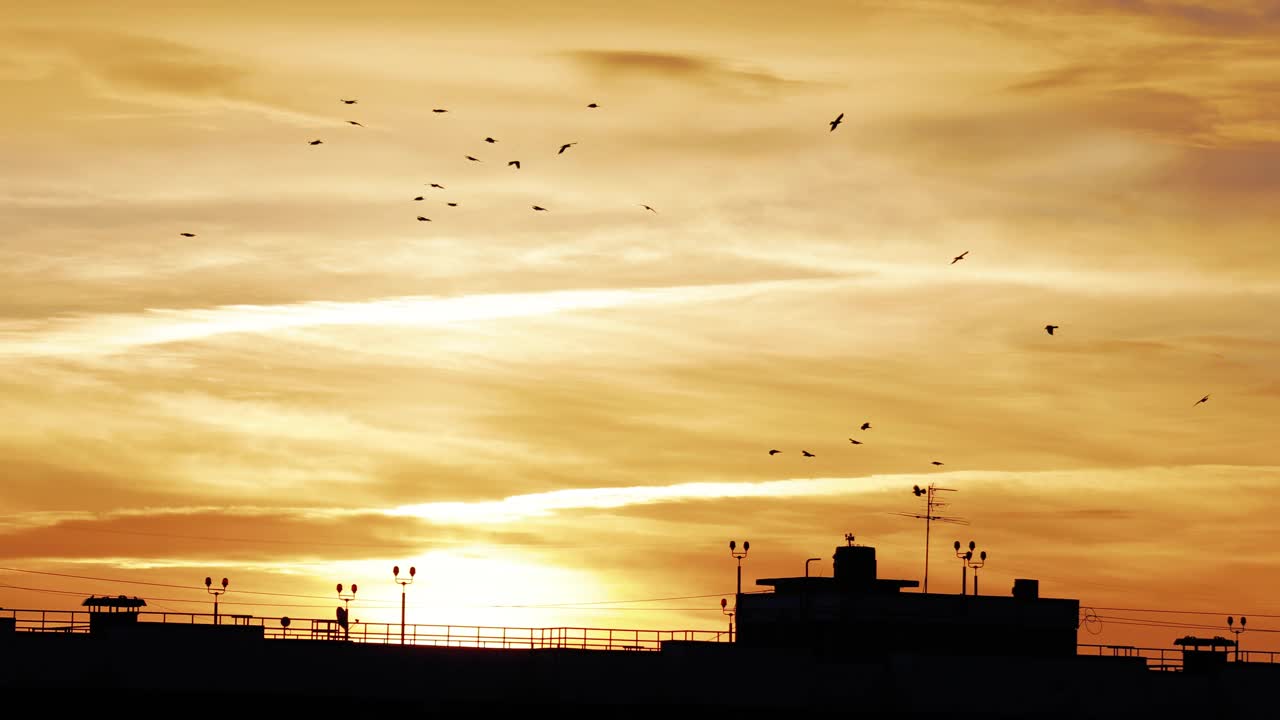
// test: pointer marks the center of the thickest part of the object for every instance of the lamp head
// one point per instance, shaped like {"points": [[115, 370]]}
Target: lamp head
{"points": [[225, 582], [412, 571], [733, 545], [972, 545], [957, 546], [983, 556], [723, 603], [208, 582], [339, 588]]}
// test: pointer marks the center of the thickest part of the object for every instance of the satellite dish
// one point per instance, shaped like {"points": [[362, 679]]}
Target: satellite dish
{"points": [[342, 617]]}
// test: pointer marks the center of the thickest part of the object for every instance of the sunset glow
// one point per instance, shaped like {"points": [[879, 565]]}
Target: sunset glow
{"points": [[225, 351]]}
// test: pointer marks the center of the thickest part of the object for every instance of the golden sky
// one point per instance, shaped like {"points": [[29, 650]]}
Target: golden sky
{"points": [[575, 406]]}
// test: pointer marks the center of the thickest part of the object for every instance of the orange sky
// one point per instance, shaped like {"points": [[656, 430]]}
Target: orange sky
{"points": [[575, 406]]}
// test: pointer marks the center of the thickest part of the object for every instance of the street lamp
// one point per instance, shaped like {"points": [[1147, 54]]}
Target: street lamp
{"points": [[975, 564], [1231, 622], [395, 572], [724, 608], [343, 613], [738, 554], [215, 592]]}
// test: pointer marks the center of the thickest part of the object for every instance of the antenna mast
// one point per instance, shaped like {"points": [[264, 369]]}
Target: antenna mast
{"points": [[933, 506]]}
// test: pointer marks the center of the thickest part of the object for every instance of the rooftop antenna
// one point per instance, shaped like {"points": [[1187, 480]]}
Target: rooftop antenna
{"points": [[933, 507]]}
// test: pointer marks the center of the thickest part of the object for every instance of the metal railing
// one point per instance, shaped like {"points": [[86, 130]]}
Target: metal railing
{"points": [[577, 638]]}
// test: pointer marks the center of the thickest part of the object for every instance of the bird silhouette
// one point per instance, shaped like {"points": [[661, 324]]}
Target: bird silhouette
{"points": [[187, 234], [566, 146], [855, 442], [935, 462], [473, 159], [835, 122], [1050, 328], [516, 163], [419, 198], [592, 105], [646, 207], [866, 426], [439, 110], [1202, 400], [353, 122], [806, 453], [538, 207], [349, 102], [423, 219], [437, 185], [452, 204], [774, 452], [316, 142], [490, 140], [959, 257]]}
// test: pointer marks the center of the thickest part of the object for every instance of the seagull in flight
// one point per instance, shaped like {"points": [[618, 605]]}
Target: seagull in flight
{"points": [[959, 257], [423, 219], [439, 110], [592, 105], [1202, 400], [419, 198], [490, 140], [452, 204], [935, 462], [646, 207], [187, 234], [855, 442], [774, 452], [835, 122], [1050, 328], [516, 163], [353, 122], [437, 185], [566, 146], [349, 102], [316, 142], [866, 426], [473, 159], [539, 207], [806, 453]]}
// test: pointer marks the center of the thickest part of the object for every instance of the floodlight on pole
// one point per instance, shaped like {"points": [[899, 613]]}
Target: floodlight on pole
{"points": [[344, 611], [973, 564], [1231, 621], [402, 582], [739, 555], [215, 592], [724, 608]]}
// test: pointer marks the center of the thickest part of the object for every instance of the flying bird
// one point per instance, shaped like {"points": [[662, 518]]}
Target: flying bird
{"points": [[472, 159], [423, 219], [349, 102], [566, 146], [1202, 400], [646, 207], [187, 234], [538, 207], [315, 142], [490, 140], [1050, 328], [437, 185], [452, 204], [836, 122], [774, 452], [438, 110], [855, 442], [935, 462], [516, 163], [866, 426], [353, 122], [592, 105], [959, 257], [806, 453]]}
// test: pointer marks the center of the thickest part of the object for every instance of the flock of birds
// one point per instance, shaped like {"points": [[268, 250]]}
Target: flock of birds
{"points": [[835, 123]]}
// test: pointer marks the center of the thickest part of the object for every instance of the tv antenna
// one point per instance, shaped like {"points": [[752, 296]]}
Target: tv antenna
{"points": [[932, 512]]}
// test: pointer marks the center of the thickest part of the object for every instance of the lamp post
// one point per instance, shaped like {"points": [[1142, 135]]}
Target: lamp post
{"points": [[1231, 624], [402, 582], [724, 608], [739, 555], [975, 564], [964, 566], [346, 598], [215, 592]]}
